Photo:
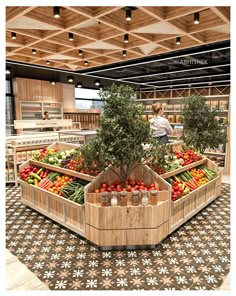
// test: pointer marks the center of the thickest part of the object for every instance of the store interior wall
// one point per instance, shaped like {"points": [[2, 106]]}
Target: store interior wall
{"points": [[68, 96]]}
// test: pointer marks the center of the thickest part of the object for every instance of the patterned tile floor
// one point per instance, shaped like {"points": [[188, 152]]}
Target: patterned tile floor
{"points": [[195, 257]]}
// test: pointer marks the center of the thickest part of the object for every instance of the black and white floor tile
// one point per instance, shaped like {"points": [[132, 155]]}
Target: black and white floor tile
{"points": [[195, 257]]}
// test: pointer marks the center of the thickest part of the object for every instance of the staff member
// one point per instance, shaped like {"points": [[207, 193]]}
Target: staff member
{"points": [[160, 126], [46, 117]]}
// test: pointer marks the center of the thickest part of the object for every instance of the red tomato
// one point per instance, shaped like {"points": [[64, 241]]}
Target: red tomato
{"points": [[104, 185]]}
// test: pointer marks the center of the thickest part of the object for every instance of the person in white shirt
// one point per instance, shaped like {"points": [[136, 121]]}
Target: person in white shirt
{"points": [[160, 126]]}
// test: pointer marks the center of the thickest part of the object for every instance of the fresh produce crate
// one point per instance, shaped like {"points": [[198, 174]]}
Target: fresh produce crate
{"points": [[187, 206], [57, 208], [63, 146], [127, 225]]}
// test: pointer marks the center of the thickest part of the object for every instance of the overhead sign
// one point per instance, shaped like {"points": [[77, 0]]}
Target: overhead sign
{"points": [[39, 97], [21, 124]]}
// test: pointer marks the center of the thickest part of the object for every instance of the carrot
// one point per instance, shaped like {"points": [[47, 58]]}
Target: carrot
{"points": [[49, 186], [195, 182], [46, 183], [190, 183]]}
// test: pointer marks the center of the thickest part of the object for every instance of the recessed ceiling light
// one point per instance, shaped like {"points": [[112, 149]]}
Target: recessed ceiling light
{"points": [[126, 38], [178, 40], [80, 52], [97, 82], [71, 36], [13, 35], [34, 51], [124, 53], [70, 78], [53, 82], [56, 11], [79, 84], [128, 15], [196, 18]]}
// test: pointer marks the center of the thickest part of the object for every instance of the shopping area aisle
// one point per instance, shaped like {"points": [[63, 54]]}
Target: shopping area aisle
{"points": [[196, 256]]}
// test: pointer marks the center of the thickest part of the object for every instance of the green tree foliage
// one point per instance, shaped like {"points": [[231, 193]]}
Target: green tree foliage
{"points": [[122, 131], [202, 126]]}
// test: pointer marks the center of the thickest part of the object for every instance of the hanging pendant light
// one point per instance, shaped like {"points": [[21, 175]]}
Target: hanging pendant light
{"points": [[48, 62], [126, 38], [124, 53], [80, 52], [178, 40], [196, 18], [79, 84], [56, 11], [86, 63], [13, 35], [128, 15], [71, 36], [34, 51], [53, 82]]}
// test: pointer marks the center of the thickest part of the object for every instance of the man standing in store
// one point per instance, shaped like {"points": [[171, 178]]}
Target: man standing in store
{"points": [[160, 126], [46, 117]]}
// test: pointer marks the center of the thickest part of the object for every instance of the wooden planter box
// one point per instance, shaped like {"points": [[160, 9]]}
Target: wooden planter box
{"points": [[127, 225]]}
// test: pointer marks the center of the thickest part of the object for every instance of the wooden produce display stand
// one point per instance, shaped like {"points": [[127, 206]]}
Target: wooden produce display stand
{"points": [[59, 209], [187, 206], [127, 225], [121, 226]]}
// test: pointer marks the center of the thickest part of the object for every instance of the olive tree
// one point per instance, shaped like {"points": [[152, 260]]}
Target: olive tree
{"points": [[203, 127]]}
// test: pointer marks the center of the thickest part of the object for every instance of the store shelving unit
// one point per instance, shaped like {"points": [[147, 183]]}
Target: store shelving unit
{"points": [[88, 118], [217, 96], [35, 110]]}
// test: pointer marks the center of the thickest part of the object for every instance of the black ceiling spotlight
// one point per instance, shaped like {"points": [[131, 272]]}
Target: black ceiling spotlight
{"points": [[196, 18], [126, 38], [53, 82], [8, 70], [48, 62], [124, 53], [13, 35], [128, 15], [70, 78], [71, 36], [178, 40], [34, 51], [97, 82], [79, 84], [56, 11], [80, 52], [86, 63]]}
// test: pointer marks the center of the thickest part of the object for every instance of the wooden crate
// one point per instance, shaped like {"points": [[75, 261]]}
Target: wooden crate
{"points": [[127, 225], [61, 146], [57, 208], [187, 206], [218, 183]]}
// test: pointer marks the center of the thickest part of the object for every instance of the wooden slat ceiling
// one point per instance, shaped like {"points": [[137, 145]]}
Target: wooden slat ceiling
{"points": [[99, 33]]}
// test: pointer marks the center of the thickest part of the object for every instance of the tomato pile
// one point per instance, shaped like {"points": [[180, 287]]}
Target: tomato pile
{"points": [[177, 191], [130, 186], [28, 170], [188, 156]]}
